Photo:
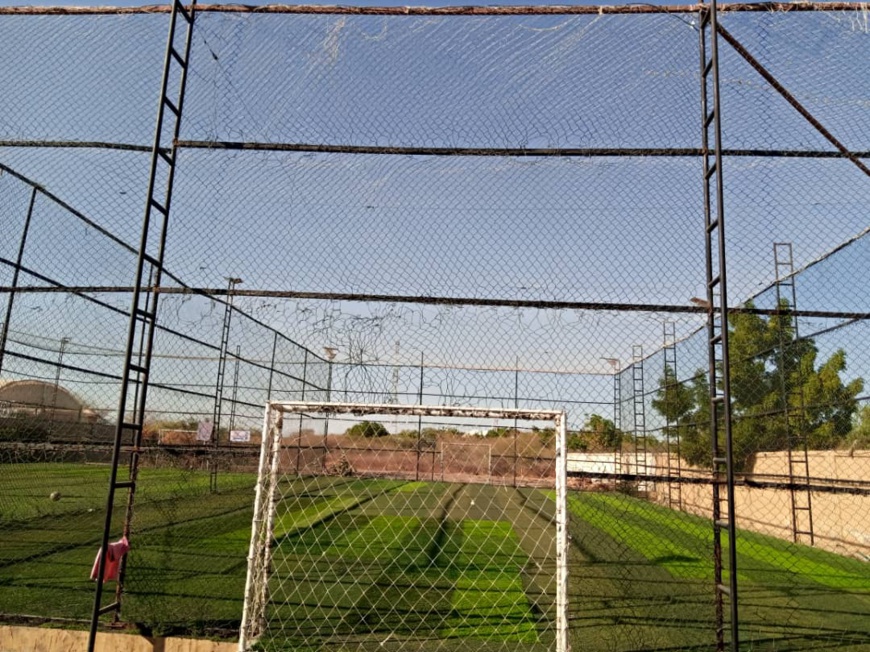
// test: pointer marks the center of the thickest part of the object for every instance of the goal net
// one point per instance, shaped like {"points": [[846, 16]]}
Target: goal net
{"points": [[378, 527]]}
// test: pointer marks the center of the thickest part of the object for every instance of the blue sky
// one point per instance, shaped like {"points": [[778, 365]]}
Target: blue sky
{"points": [[603, 229]]}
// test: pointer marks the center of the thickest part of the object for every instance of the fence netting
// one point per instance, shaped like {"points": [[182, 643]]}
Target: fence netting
{"points": [[491, 208]]}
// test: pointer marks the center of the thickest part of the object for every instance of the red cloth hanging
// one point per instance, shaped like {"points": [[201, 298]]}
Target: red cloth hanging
{"points": [[113, 560]]}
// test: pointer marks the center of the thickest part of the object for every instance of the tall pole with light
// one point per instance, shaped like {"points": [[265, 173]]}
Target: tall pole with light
{"points": [[232, 282], [63, 342], [615, 365], [330, 353]]}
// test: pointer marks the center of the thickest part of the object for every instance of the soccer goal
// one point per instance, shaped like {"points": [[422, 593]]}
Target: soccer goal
{"points": [[358, 543]]}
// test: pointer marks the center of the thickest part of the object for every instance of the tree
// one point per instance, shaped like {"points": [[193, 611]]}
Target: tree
{"points": [[597, 434], [368, 429], [604, 433], [676, 401], [778, 393], [859, 437]]}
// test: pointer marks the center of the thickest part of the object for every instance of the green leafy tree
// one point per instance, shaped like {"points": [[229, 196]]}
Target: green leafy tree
{"points": [[778, 392], [500, 431], [603, 432], [368, 429], [859, 437], [677, 402], [597, 434], [547, 436]]}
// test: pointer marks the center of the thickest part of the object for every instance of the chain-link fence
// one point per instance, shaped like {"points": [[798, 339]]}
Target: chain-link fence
{"points": [[483, 207]]}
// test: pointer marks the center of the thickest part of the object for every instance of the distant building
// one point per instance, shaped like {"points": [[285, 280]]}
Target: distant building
{"points": [[37, 398]]}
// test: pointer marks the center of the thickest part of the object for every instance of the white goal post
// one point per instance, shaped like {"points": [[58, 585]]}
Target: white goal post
{"points": [[260, 584]]}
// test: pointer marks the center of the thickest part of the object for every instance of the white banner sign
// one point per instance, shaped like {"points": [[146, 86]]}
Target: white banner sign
{"points": [[240, 435], [204, 430]]}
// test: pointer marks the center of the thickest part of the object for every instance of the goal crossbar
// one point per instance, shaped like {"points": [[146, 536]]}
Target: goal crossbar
{"points": [[397, 409]]}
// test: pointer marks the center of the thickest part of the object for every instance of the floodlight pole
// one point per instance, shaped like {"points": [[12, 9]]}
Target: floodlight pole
{"points": [[331, 352], [419, 423], [232, 282], [63, 342]]}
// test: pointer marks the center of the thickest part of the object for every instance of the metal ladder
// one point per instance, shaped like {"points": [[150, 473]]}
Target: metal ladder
{"points": [[639, 410], [669, 349], [143, 310], [793, 400], [717, 331]]}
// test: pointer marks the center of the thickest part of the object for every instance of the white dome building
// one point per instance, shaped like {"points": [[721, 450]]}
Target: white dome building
{"points": [[37, 398]]}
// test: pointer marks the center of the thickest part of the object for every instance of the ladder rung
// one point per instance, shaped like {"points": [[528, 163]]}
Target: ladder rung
{"points": [[712, 115], [705, 19], [126, 484], [725, 589], [720, 460], [131, 426], [716, 339], [164, 153], [145, 315], [151, 259], [718, 399], [710, 171], [171, 106], [713, 282], [109, 607], [801, 509], [139, 369], [713, 225], [708, 67], [160, 207], [176, 56], [180, 8]]}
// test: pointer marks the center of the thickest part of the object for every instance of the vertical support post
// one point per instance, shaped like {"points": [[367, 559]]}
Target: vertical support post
{"points": [[331, 356], [615, 364], [143, 314], [19, 258], [271, 507], [639, 411], [672, 436], [235, 395], [219, 383], [301, 417], [419, 423], [253, 610], [561, 535], [272, 366], [516, 405], [717, 331], [63, 342]]}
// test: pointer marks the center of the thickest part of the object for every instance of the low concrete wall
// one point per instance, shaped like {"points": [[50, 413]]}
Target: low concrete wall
{"points": [[41, 639], [841, 522]]}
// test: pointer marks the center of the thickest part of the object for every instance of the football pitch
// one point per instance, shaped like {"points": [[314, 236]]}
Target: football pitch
{"points": [[389, 564]]}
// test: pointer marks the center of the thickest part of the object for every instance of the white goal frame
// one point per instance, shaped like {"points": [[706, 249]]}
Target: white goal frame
{"points": [[262, 525]]}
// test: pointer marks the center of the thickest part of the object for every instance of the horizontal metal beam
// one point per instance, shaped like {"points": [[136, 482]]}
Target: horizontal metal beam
{"points": [[516, 152], [439, 300], [520, 10], [519, 152]]}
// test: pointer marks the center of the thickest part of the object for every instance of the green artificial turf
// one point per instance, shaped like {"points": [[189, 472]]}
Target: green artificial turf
{"points": [[648, 570], [392, 565]]}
